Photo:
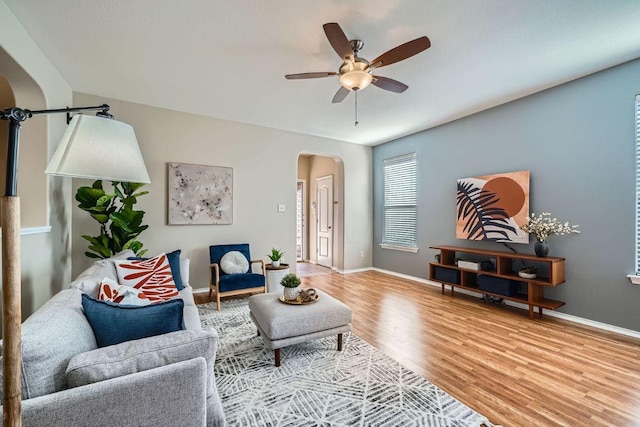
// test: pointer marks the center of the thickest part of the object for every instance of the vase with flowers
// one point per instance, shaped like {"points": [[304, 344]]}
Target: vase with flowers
{"points": [[542, 226]]}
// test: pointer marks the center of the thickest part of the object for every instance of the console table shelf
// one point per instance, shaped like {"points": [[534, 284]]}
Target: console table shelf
{"points": [[551, 274]]}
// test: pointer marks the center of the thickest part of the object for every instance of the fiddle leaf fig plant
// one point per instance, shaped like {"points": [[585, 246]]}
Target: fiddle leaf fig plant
{"points": [[120, 223]]}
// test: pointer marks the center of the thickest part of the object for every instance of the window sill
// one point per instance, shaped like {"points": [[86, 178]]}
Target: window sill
{"points": [[33, 230], [634, 279], [400, 248]]}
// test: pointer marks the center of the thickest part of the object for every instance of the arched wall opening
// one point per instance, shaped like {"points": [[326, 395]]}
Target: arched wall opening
{"points": [[18, 89], [312, 169]]}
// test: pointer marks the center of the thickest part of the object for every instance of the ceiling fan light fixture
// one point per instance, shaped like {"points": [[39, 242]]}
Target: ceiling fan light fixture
{"points": [[355, 80]]}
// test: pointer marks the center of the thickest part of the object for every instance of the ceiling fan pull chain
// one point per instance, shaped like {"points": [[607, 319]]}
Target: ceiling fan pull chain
{"points": [[356, 123]]}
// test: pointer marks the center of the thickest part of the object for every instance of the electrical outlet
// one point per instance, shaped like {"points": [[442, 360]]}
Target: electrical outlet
{"points": [[361, 254], [281, 208]]}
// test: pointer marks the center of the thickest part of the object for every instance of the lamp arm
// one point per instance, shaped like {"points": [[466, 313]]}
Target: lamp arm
{"points": [[17, 115]]}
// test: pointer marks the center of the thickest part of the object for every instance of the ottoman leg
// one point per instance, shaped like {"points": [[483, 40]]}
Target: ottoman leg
{"points": [[277, 357], [339, 342]]}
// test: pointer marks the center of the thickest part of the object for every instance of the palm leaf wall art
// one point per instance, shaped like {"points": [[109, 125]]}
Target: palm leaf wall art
{"points": [[491, 207]]}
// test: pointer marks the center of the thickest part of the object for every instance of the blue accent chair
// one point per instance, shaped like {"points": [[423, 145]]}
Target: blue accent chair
{"points": [[224, 284]]}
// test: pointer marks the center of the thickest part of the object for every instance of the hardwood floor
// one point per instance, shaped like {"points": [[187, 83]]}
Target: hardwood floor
{"points": [[513, 370], [307, 269]]}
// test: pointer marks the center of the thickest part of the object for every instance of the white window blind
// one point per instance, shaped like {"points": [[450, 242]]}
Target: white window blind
{"points": [[400, 201], [638, 185]]}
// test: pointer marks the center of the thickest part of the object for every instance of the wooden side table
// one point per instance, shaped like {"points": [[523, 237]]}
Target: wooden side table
{"points": [[274, 276]]}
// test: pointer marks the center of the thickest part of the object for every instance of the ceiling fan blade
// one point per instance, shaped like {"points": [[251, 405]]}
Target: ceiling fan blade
{"points": [[389, 84], [340, 95], [338, 40], [401, 52], [309, 75]]}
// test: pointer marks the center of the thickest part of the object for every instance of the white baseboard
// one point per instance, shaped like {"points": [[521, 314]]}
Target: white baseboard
{"points": [[551, 313], [355, 270]]}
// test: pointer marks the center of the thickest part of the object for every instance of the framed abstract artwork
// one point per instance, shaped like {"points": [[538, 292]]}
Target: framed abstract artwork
{"points": [[200, 194], [490, 207]]}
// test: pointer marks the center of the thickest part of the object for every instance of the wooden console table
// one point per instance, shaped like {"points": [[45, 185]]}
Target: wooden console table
{"points": [[550, 273]]}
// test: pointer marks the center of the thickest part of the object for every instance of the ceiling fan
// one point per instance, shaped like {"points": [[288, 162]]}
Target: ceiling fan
{"points": [[356, 73]]}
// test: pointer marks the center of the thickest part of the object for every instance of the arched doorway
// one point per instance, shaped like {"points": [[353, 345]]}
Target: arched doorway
{"points": [[320, 214]]}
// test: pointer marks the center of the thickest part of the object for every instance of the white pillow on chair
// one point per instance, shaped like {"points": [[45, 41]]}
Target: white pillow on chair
{"points": [[234, 262]]}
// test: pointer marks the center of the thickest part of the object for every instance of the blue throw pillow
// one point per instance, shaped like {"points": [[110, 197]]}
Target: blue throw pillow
{"points": [[114, 323], [174, 264]]}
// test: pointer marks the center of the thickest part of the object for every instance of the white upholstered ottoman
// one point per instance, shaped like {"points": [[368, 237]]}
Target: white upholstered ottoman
{"points": [[281, 325]]}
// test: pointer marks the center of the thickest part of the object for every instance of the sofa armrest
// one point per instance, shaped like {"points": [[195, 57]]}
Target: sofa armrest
{"points": [[140, 355], [170, 395]]}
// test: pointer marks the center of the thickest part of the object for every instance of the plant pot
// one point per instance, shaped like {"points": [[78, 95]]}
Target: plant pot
{"points": [[291, 294], [541, 248], [275, 263]]}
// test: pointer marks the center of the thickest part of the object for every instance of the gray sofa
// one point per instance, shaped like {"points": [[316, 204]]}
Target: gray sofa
{"points": [[165, 380]]}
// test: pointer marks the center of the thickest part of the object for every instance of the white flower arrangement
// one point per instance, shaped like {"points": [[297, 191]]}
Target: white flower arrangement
{"points": [[542, 226]]}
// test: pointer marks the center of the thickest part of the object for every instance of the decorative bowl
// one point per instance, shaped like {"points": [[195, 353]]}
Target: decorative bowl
{"points": [[527, 275]]}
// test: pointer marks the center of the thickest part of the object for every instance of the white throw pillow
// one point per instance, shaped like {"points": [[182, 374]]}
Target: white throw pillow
{"points": [[110, 290], [234, 262]]}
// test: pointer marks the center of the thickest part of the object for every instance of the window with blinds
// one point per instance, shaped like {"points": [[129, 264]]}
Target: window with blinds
{"points": [[638, 185], [400, 214]]}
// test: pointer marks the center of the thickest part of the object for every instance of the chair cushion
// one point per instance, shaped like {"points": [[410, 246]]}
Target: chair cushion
{"points": [[234, 262], [114, 323], [152, 276], [233, 282], [216, 252]]}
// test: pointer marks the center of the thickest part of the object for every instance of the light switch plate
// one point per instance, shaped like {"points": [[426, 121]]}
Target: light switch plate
{"points": [[281, 208]]}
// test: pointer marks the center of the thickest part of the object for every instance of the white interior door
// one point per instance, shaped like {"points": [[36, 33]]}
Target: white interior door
{"points": [[324, 218]]}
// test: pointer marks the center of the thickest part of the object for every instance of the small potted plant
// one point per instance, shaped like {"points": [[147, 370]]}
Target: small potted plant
{"points": [[275, 256], [291, 289]]}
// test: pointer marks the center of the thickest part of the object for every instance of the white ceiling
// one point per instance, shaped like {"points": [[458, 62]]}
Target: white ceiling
{"points": [[227, 59]]}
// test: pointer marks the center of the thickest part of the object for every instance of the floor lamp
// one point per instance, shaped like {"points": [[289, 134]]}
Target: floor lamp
{"points": [[94, 147]]}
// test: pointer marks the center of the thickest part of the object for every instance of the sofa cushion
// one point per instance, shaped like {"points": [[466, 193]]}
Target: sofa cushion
{"points": [[141, 355], [89, 280], [114, 323], [51, 337], [153, 276], [184, 271], [234, 262]]}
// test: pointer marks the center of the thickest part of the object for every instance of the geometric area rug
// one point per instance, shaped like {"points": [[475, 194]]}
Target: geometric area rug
{"points": [[316, 385]]}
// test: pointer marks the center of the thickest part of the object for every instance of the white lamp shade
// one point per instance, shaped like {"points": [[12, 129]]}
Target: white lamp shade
{"points": [[99, 148]]}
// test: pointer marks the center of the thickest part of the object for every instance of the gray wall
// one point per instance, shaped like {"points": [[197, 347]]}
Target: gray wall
{"points": [[578, 142]]}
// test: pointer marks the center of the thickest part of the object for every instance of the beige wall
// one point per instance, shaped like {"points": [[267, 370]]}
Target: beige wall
{"points": [[303, 174], [264, 162], [7, 100], [45, 255]]}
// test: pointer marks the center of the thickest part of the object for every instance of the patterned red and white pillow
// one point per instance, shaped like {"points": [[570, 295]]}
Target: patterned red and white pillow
{"points": [[152, 276], [110, 290]]}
